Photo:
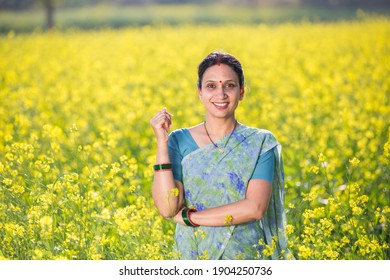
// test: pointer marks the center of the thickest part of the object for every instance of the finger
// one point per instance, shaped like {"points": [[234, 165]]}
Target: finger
{"points": [[167, 121], [157, 122], [167, 125], [165, 117], [159, 115], [162, 121], [164, 110]]}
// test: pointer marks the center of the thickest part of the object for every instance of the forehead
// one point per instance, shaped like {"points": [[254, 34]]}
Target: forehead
{"points": [[220, 72]]}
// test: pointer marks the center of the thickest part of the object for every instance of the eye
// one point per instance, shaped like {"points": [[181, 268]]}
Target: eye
{"points": [[210, 86], [230, 86]]}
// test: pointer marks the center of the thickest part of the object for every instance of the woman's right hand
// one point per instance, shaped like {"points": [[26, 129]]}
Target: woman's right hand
{"points": [[161, 122]]}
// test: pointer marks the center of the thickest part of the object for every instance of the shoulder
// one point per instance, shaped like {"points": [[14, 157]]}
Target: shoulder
{"points": [[260, 138], [177, 133], [177, 136], [184, 134], [259, 133]]}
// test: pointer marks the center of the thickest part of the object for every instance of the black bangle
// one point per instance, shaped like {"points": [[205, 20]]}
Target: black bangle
{"points": [[164, 166], [184, 213]]}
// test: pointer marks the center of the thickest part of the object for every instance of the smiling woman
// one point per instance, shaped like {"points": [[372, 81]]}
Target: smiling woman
{"points": [[228, 176], [220, 91]]}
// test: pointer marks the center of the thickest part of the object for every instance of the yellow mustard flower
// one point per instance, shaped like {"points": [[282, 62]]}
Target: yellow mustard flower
{"points": [[290, 229], [174, 192], [304, 252], [200, 233], [314, 169], [204, 256], [354, 162], [386, 149], [321, 158], [228, 219]]}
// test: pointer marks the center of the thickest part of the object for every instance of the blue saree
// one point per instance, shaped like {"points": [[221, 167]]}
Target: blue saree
{"points": [[211, 179]]}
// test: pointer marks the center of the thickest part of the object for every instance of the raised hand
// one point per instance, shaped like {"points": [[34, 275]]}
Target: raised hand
{"points": [[161, 122]]}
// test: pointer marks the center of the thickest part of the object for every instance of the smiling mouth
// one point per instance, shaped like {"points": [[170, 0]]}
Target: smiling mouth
{"points": [[221, 105]]}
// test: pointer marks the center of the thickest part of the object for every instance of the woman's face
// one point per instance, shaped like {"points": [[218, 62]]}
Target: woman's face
{"points": [[220, 92]]}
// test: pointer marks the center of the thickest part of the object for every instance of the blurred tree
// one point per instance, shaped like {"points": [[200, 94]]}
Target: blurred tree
{"points": [[49, 9]]}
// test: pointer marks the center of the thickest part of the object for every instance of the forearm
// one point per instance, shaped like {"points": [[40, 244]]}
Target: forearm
{"points": [[239, 212], [165, 197]]}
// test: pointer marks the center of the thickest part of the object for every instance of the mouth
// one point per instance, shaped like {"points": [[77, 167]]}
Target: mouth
{"points": [[221, 105]]}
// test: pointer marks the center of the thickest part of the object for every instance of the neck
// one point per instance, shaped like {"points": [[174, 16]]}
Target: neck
{"points": [[220, 127]]}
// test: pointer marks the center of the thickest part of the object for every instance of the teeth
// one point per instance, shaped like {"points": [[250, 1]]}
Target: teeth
{"points": [[221, 104]]}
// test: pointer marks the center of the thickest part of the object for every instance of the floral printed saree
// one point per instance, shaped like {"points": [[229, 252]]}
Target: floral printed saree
{"points": [[212, 179]]}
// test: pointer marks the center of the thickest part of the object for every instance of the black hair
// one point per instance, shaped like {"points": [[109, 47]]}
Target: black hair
{"points": [[220, 57]]}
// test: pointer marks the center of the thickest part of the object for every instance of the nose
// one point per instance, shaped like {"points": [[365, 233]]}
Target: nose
{"points": [[221, 92]]}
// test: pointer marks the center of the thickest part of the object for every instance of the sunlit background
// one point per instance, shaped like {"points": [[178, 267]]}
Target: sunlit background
{"points": [[80, 80]]}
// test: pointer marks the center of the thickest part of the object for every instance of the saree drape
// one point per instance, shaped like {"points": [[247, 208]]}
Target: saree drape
{"points": [[211, 179]]}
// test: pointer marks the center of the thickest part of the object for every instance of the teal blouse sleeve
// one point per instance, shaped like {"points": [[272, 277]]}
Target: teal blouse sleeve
{"points": [[265, 167], [175, 155], [180, 144]]}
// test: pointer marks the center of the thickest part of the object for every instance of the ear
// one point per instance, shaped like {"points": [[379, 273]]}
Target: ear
{"points": [[242, 91], [199, 93]]}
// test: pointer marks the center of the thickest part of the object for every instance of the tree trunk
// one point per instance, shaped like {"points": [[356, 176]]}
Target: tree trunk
{"points": [[49, 8]]}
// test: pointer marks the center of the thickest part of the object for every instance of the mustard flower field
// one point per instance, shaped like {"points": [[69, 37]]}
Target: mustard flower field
{"points": [[77, 149]]}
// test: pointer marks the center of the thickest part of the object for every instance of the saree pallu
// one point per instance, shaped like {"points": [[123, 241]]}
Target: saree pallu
{"points": [[213, 179]]}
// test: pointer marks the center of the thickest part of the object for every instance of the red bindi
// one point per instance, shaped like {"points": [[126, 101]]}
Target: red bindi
{"points": [[220, 82]]}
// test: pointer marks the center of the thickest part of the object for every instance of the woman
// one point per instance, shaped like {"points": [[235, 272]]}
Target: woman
{"points": [[220, 181]]}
